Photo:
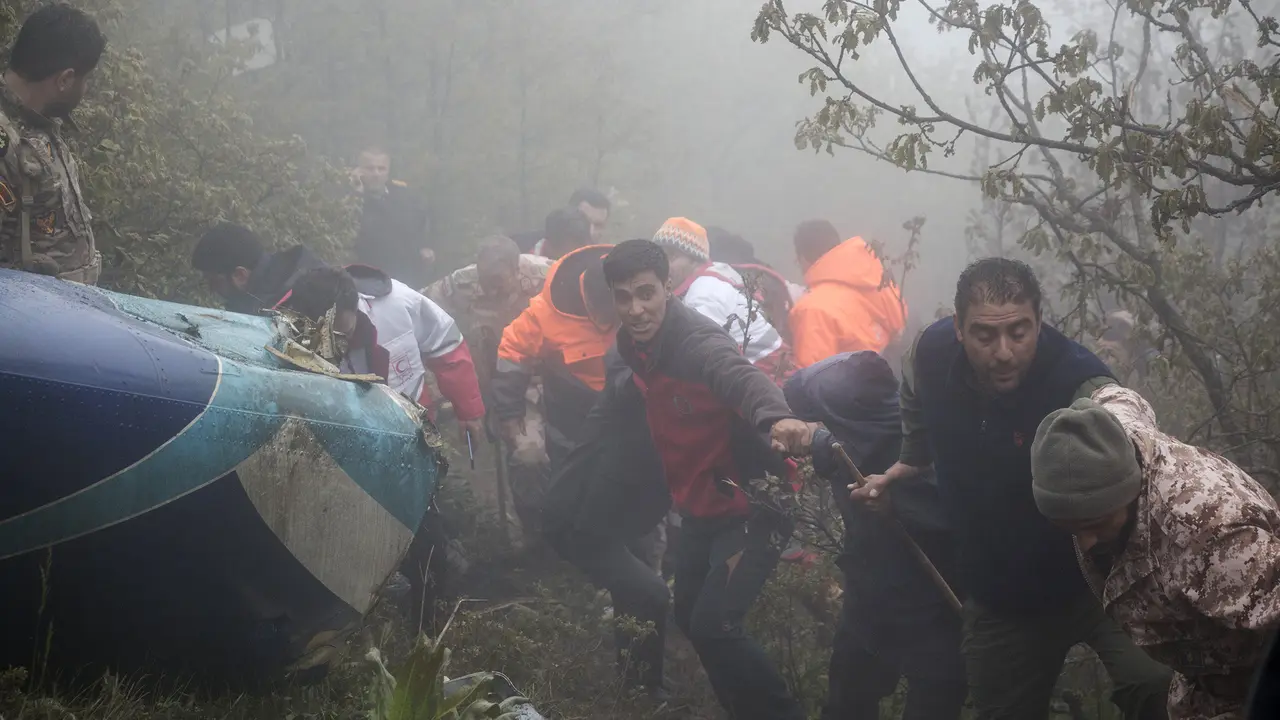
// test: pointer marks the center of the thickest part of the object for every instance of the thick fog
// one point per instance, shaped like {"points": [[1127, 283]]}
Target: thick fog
{"points": [[502, 108], [729, 107], [497, 110]]}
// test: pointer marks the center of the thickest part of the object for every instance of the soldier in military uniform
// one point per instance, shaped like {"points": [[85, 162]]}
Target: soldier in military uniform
{"points": [[1181, 546], [484, 299], [46, 225]]}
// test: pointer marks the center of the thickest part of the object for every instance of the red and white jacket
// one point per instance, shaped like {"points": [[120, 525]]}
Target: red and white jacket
{"points": [[418, 335], [709, 412], [717, 291]]}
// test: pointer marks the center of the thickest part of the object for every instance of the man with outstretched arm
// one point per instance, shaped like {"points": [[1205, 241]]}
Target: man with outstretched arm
{"points": [[974, 389], [708, 411]]}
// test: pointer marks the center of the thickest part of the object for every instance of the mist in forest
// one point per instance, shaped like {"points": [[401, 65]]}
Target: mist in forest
{"points": [[498, 110]]}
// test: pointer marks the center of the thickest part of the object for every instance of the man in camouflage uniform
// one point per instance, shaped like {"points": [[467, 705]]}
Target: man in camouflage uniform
{"points": [[46, 223], [1179, 544], [484, 298]]}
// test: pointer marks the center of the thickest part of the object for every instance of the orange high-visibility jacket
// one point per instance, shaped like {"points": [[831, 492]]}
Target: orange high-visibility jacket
{"points": [[555, 338], [845, 309]]}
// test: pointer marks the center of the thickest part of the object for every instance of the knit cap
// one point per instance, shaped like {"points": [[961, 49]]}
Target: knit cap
{"points": [[1083, 466], [686, 236]]}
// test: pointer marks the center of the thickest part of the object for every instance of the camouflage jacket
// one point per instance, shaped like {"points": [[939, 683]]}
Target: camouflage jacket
{"points": [[483, 317], [1195, 584], [37, 165]]}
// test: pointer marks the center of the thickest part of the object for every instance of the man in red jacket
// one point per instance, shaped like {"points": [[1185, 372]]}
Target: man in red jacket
{"points": [[717, 423]]}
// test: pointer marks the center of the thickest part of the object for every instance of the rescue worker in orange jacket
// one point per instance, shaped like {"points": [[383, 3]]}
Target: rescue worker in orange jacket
{"points": [[562, 336], [846, 309]]}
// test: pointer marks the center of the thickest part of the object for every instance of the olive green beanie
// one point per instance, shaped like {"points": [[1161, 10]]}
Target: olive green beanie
{"points": [[1083, 466]]}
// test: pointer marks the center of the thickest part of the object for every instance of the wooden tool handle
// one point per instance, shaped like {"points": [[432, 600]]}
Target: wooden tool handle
{"points": [[930, 569]]}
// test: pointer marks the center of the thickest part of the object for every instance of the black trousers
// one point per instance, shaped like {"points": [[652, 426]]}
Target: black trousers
{"points": [[722, 565], [637, 592], [873, 649], [1014, 661]]}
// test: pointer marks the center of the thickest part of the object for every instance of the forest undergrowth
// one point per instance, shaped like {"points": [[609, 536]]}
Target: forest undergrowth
{"points": [[532, 618]]}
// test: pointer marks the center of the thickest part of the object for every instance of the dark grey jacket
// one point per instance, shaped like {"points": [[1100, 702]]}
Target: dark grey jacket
{"points": [[855, 396]]}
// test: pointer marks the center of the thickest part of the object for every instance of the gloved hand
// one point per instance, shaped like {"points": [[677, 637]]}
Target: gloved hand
{"points": [[825, 461]]}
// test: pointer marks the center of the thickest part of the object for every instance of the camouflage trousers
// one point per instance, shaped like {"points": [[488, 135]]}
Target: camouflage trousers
{"points": [[87, 275]]}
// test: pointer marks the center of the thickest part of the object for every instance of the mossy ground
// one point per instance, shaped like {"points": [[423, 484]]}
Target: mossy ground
{"points": [[530, 617]]}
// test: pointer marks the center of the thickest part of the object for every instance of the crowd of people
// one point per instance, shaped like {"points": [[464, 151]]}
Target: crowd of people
{"points": [[1003, 496]]}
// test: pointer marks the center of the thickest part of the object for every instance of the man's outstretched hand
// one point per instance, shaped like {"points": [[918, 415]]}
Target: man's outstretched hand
{"points": [[875, 492], [791, 436]]}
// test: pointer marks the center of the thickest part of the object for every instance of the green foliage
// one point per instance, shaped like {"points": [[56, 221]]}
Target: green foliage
{"points": [[417, 691], [1128, 166], [459, 93], [167, 150], [794, 619]]}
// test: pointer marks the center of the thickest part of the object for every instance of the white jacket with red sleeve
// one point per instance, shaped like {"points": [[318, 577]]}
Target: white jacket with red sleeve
{"points": [[419, 336]]}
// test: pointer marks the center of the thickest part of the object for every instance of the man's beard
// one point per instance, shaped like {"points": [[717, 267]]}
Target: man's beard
{"points": [[1108, 549], [1113, 547]]}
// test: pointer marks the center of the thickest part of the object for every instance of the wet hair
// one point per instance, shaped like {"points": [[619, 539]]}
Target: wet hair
{"points": [[815, 238], [594, 198], [498, 250], [225, 247], [322, 288], [55, 38], [567, 228], [628, 259], [729, 248], [996, 280]]}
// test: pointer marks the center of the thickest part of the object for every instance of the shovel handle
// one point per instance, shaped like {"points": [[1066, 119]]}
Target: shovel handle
{"points": [[930, 569]]}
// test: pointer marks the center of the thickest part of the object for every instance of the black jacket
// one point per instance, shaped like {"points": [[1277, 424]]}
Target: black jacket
{"points": [[393, 231], [610, 487], [1013, 559], [855, 396], [273, 279]]}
